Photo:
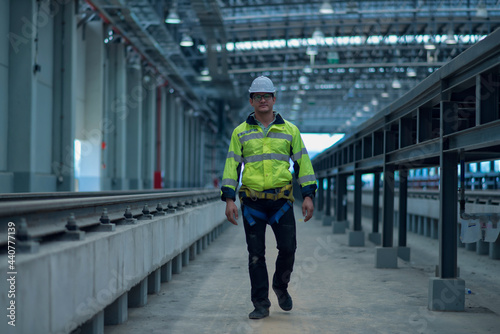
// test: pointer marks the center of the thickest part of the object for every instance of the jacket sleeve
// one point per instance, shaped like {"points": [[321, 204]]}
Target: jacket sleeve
{"points": [[232, 169], [303, 167]]}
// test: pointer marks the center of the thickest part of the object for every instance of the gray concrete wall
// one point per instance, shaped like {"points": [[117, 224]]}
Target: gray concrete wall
{"points": [[169, 153], [133, 127], [66, 283], [44, 104], [148, 136], [93, 104]]}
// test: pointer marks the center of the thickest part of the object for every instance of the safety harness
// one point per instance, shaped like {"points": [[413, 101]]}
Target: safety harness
{"points": [[272, 194]]}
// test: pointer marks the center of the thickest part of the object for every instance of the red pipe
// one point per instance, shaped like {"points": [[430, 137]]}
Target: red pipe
{"points": [[158, 179]]}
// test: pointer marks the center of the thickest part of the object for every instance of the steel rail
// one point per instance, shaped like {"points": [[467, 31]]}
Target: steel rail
{"points": [[73, 194], [46, 219]]}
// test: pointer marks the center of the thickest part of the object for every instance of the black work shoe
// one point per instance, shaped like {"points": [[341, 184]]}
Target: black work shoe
{"points": [[259, 313], [284, 299]]}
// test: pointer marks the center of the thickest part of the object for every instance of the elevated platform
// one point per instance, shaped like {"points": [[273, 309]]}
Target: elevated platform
{"points": [[336, 289]]}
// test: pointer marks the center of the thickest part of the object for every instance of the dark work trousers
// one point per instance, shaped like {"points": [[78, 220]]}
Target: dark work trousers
{"points": [[285, 234]]}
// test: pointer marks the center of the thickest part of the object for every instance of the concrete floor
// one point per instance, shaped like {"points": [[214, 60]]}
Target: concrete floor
{"points": [[335, 289]]}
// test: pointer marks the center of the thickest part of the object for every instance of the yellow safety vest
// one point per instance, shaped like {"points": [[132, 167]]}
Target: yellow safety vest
{"points": [[266, 158]]}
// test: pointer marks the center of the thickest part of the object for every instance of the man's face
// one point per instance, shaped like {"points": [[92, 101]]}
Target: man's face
{"points": [[263, 102]]}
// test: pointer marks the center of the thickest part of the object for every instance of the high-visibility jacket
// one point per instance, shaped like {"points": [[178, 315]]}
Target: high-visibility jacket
{"points": [[266, 158]]}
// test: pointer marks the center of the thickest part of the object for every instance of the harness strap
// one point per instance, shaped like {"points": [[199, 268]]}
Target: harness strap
{"points": [[272, 194], [249, 214]]}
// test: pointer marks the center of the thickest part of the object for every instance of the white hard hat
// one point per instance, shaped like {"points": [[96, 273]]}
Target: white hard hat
{"points": [[262, 84]]}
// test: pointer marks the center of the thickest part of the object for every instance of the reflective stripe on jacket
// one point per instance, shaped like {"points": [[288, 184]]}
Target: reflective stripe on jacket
{"points": [[267, 158]]}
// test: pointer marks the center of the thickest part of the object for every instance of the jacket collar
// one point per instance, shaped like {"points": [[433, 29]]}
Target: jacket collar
{"points": [[251, 119]]}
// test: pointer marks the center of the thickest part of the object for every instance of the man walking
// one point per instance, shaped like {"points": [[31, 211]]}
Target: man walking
{"points": [[264, 144]]}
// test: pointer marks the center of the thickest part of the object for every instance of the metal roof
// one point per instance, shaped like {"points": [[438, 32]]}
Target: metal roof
{"points": [[333, 71]]}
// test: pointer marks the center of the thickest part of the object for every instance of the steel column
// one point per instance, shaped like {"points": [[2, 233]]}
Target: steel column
{"points": [[388, 206], [358, 185], [341, 191], [328, 209], [321, 197], [376, 200], [403, 205], [448, 197]]}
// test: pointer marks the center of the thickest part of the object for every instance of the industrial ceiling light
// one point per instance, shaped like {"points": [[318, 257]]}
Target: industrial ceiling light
{"points": [[411, 72], [205, 78], [186, 40], [384, 95], [481, 10], [311, 50], [429, 46], [318, 35], [450, 37], [173, 17], [204, 71], [396, 84], [307, 69], [326, 8]]}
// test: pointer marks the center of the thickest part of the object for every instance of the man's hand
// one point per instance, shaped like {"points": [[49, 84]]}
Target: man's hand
{"points": [[231, 211], [307, 208]]}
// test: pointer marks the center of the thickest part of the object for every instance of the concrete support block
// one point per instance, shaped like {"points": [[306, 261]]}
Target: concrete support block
{"points": [[495, 249], [318, 214], [198, 246], [138, 295], [192, 252], [94, 325], [434, 228], [356, 239], [154, 282], [446, 294], [482, 248], [471, 246], [185, 257], [177, 264], [117, 312], [375, 237], [404, 253], [203, 242], [420, 225], [411, 223], [338, 227], [327, 220], [386, 257], [427, 227], [166, 272]]}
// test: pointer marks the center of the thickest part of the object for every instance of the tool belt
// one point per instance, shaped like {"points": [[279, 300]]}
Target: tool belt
{"points": [[273, 194]]}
